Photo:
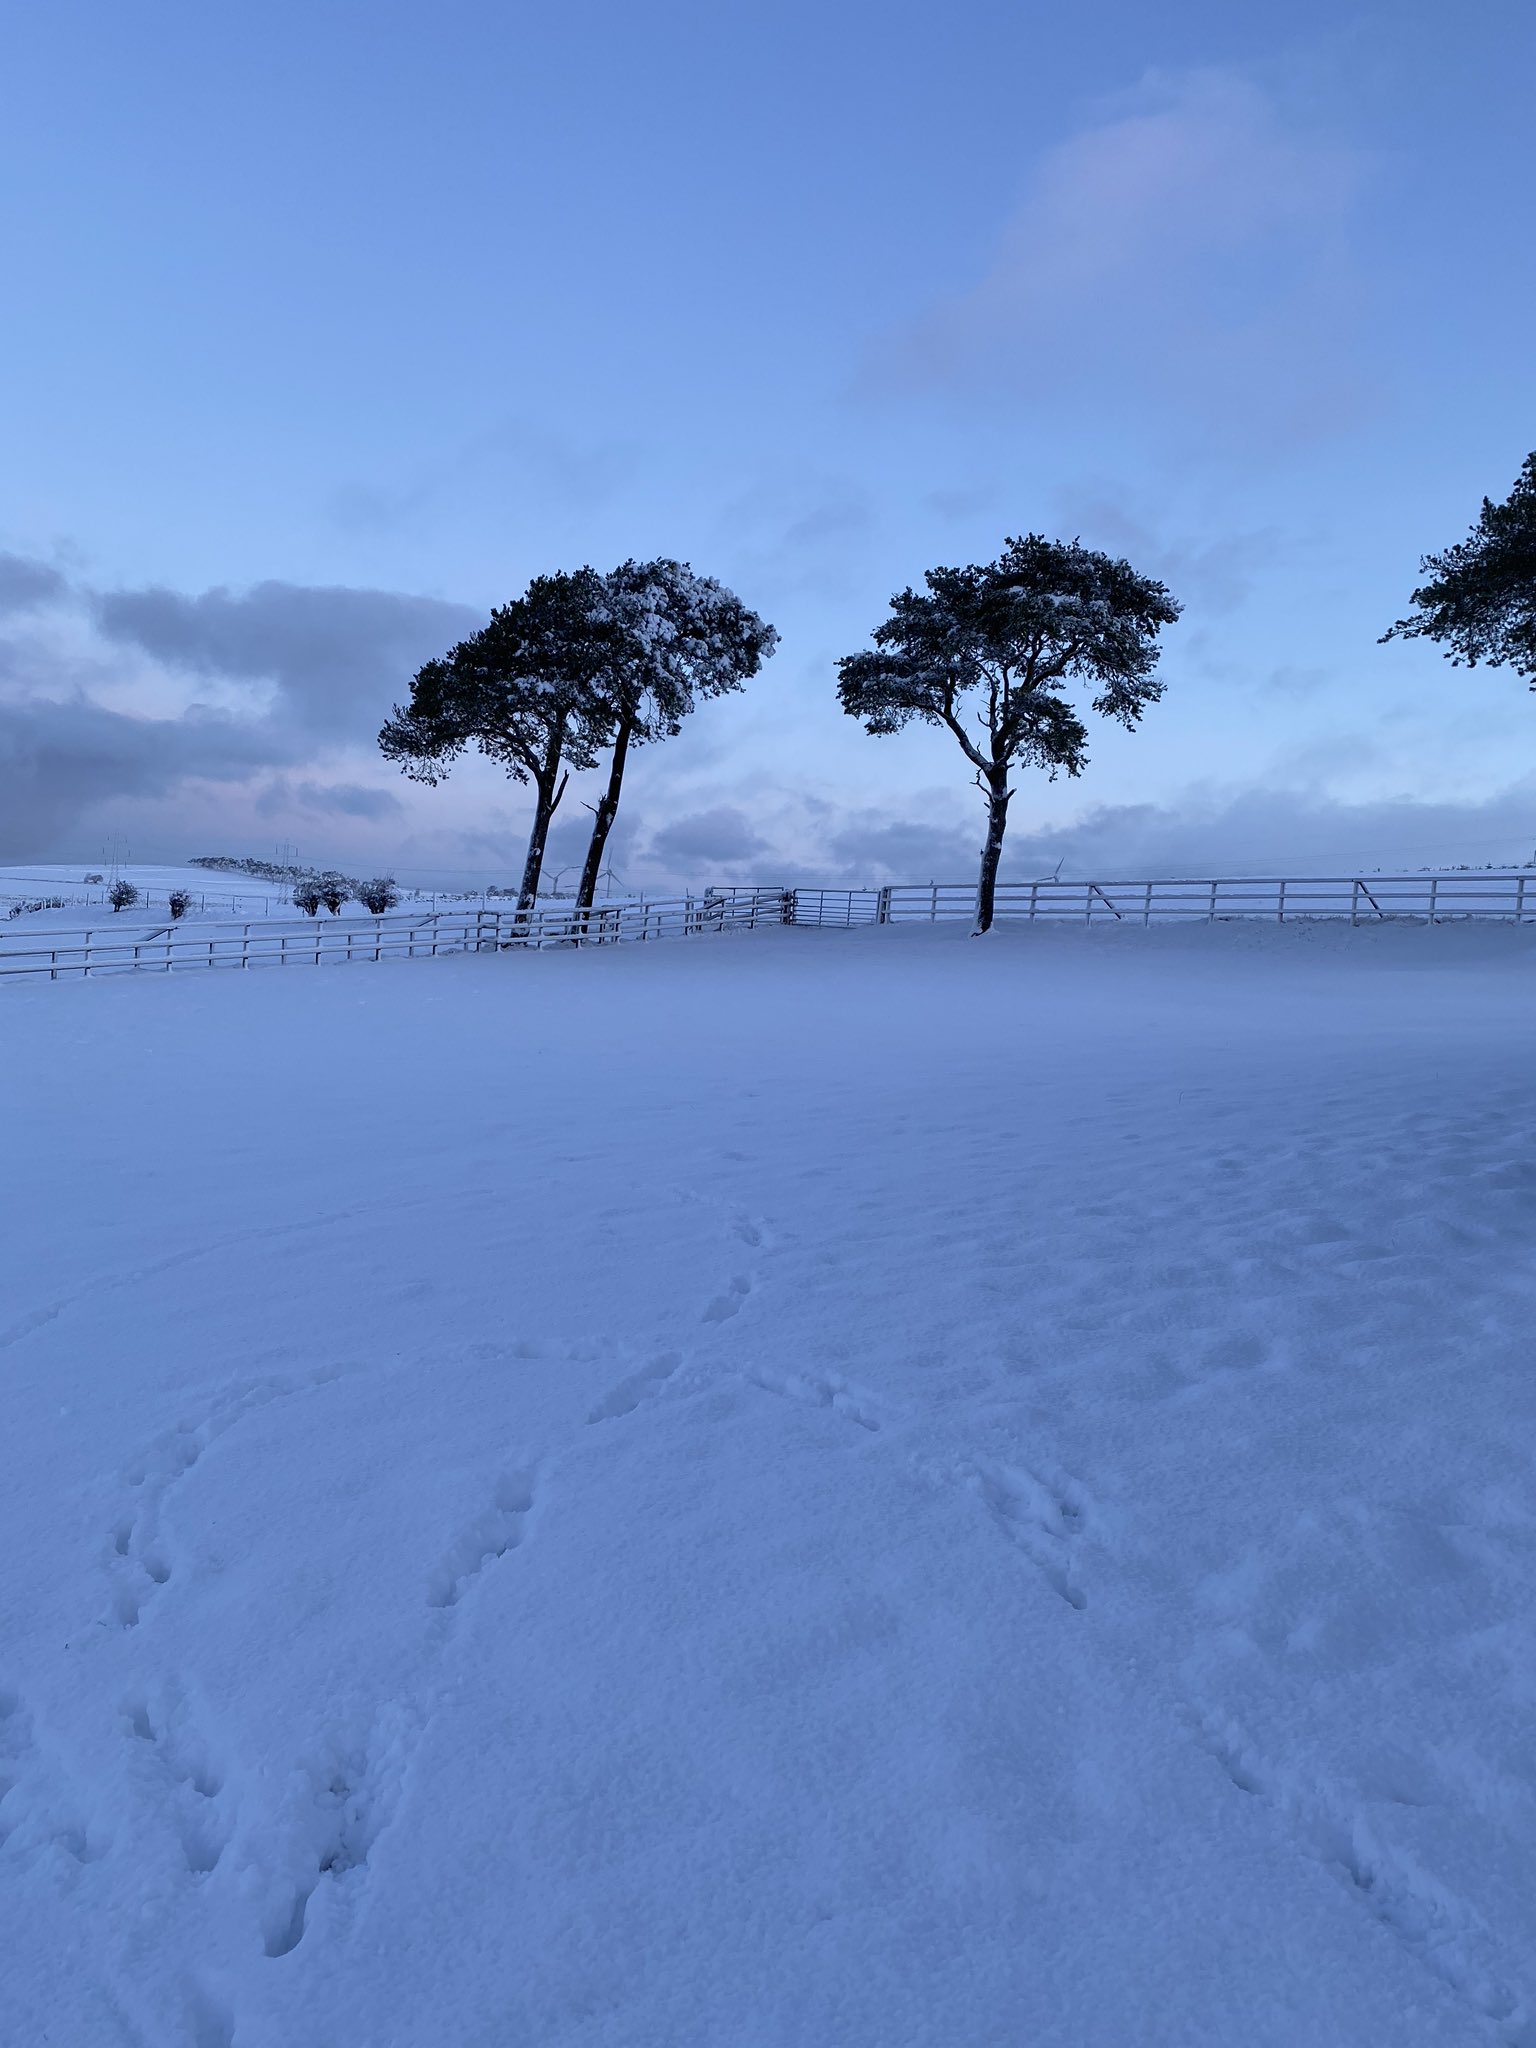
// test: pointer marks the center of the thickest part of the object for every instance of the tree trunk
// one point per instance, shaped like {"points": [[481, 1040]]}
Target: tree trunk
{"points": [[549, 787], [992, 852], [604, 815]]}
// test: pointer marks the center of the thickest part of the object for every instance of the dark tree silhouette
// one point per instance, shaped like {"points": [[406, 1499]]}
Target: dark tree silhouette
{"points": [[672, 637], [521, 690], [990, 653], [1480, 599]]}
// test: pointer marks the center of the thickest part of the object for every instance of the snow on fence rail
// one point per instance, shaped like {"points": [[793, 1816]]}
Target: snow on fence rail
{"points": [[1508, 895], [316, 942]]}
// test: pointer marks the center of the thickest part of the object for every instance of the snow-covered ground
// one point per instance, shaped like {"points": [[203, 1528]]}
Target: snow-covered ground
{"points": [[212, 891], [216, 893], [803, 1489]]}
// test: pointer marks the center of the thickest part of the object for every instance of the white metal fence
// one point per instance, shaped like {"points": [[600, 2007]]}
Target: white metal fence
{"points": [[1505, 894], [322, 941], [1508, 895]]}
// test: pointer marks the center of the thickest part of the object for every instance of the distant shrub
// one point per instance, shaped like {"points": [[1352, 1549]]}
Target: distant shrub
{"points": [[122, 894], [378, 895], [334, 891], [307, 896], [95, 878], [179, 902], [27, 903]]}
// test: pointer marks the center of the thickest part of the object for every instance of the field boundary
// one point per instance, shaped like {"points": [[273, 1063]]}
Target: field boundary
{"points": [[1502, 896], [1506, 895]]}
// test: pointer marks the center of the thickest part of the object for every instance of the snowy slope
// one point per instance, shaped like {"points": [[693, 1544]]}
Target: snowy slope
{"points": [[810, 1488]]}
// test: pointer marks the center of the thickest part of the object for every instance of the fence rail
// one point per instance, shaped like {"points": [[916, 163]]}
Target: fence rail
{"points": [[317, 942], [1504, 894], [1508, 896]]}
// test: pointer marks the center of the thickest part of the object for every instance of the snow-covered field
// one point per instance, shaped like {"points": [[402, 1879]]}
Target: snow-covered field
{"points": [[212, 891], [811, 1490], [216, 893]]}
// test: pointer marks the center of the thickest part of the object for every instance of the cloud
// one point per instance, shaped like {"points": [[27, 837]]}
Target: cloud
{"points": [[26, 584], [1279, 831], [327, 799], [723, 834], [1191, 248], [94, 691], [60, 760], [1215, 575], [336, 657], [516, 457], [882, 849]]}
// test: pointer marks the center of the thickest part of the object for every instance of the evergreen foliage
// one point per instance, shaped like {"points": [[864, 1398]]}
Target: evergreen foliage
{"points": [[179, 902], [306, 896], [1480, 599], [670, 637], [521, 692], [122, 895], [991, 653]]}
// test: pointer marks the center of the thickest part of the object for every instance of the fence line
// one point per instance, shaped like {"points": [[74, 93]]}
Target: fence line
{"points": [[1507, 896], [316, 942]]}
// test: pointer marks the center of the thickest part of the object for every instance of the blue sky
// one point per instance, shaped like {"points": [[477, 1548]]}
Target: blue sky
{"points": [[327, 327]]}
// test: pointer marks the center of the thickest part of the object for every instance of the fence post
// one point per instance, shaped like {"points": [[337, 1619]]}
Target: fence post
{"points": [[1520, 901], [1211, 918], [1354, 902], [883, 907], [1282, 903], [1146, 908], [1434, 883]]}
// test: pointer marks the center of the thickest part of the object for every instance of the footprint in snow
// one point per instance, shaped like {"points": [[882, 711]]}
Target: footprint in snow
{"points": [[1041, 1520], [190, 1783], [627, 1396], [490, 1536], [724, 1306], [817, 1390]]}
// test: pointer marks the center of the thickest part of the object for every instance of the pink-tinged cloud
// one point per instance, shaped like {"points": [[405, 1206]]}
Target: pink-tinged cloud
{"points": [[1193, 250]]}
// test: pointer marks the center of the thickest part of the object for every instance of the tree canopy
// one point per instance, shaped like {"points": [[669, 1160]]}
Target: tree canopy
{"points": [[671, 638], [521, 691], [1480, 597], [992, 654], [580, 664]]}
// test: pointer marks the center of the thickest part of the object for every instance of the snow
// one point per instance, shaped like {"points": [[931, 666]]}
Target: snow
{"points": [[218, 897], [779, 1490]]}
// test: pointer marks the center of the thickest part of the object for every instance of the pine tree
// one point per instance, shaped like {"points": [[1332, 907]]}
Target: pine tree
{"points": [[520, 691], [991, 652], [672, 637], [1480, 599]]}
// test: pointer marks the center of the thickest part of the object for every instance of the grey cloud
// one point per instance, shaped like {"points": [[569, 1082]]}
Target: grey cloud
{"points": [[331, 799], [723, 834], [26, 583], [1280, 831], [59, 760], [338, 657], [903, 850]]}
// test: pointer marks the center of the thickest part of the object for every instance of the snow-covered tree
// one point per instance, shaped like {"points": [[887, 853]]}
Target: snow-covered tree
{"points": [[378, 895], [122, 895], [1481, 595], [672, 637], [991, 653], [519, 690], [306, 896]]}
